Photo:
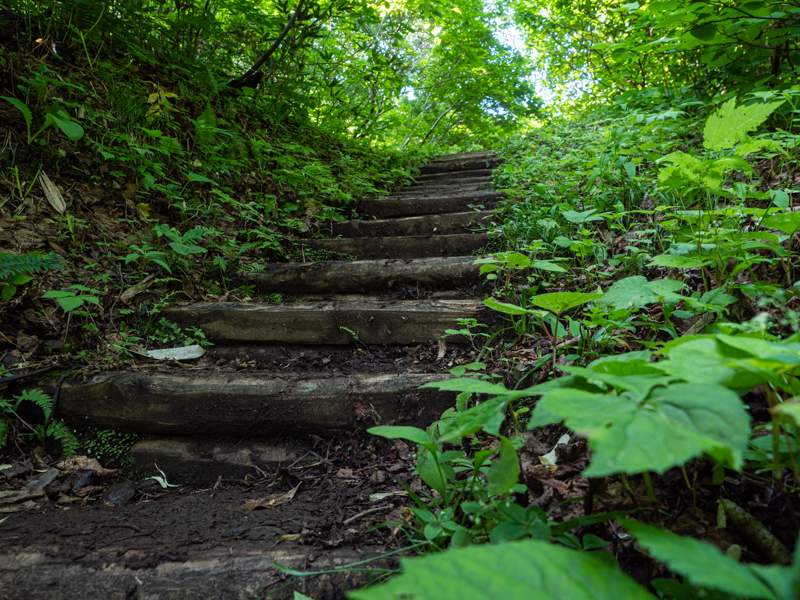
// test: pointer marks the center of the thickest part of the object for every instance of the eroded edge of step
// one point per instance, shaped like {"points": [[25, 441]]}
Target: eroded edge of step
{"points": [[249, 405], [334, 277], [198, 461], [460, 174], [224, 572], [416, 246], [369, 321]]}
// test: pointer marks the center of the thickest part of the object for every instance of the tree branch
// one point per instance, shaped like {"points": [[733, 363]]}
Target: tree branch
{"points": [[253, 76]]}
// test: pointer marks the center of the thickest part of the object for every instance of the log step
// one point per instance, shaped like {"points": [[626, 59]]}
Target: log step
{"points": [[341, 277], [407, 206], [200, 461], [417, 246], [455, 187], [462, 222], [368, 321], [247, 404], [462, 162], [444, 175]]}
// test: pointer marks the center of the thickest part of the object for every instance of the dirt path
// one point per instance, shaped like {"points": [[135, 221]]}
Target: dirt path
{"points": [[263, 437]]}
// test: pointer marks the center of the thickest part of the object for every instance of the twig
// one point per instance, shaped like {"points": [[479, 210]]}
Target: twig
{"points": [[364, 513], [755, 531]]}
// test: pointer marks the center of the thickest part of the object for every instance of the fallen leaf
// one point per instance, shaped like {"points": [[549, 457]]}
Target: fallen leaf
{"points": [[377, 497], [290, 537], [550, 460], [180, 353], [84, 463], [271, 501], [52, 193]]}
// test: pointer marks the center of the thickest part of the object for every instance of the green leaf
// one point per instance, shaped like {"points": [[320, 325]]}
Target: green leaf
{"points": [[790, 410], [676, 261], [559, 302], [526, 570], [504, 307], [547, 265], [187, 249], [435, 475], [677, 423], [487, 416], [70, 303], [24, 111], [704, 32], [730, 124], [193, 177], [403, 432], [788, 222], [65, 124], [701, 563], [637, 292], [504, 471], [7, 292]]}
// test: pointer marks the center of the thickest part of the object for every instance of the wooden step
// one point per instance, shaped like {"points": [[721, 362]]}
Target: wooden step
{"points": [[201, 461], [462, 162], [230, 570], [462, 222], [341, 277], [406, 206], [447, 175], [247, 404], [452, 187], [417, 246], [368, 321]]}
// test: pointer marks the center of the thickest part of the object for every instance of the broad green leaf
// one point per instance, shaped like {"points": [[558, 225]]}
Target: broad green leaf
{"points": [[435, 475], [701, 563], [560, 302], [790, 410], [579, 218], [24, 111], [504, 307], [70, 303], [705, 32], [730, 124], [677, 423], [193, 177], [487, 416], [546, 265], [403, 432], [504, 471], [466, 384], [676, 261], [7, 291], [526, 570], [187, 249], [71, 129], [637, 292], [788, 222], [706, 360]]}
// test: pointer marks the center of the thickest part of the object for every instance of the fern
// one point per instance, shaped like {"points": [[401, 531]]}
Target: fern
{"points": [[58, 431], [40, 399], [24, 264], [3, 432]]}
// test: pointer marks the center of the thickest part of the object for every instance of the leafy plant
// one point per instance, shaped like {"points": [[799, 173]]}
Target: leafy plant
{"points": [[74, 297], [48, 429], [18, 269]]}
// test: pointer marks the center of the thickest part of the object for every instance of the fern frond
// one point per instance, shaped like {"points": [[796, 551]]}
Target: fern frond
{"points": [[64, 436], [32, 262], [39, 398]]}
